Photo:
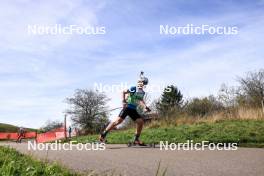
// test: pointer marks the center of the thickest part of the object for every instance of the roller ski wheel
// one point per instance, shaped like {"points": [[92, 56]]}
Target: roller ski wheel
{"points": [[130, 144]]}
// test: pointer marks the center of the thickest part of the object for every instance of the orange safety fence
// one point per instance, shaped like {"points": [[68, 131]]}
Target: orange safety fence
{"points": [[53, 135], [4, 135], [15, 135], [30, 134], [8, 135], [59, 129], [45, 137]]}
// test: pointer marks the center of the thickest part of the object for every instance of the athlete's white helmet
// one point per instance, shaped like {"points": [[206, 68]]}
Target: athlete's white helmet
{"points": [[143, 81]]}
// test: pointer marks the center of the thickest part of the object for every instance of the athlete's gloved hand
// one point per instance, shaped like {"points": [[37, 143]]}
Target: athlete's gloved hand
{"points": [[147, 109]]}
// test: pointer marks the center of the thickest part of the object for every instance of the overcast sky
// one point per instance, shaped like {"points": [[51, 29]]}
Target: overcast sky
{"points": [[37, 72]]}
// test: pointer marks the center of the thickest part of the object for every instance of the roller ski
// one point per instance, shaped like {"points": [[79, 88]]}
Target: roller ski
{"points": [[137, 143]]}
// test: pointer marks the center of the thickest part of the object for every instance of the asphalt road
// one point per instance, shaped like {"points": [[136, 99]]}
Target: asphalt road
{"points": [[144, 161]]}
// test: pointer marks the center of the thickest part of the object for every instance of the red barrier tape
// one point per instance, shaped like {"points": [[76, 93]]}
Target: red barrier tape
{"points": [[46, 137], [31, 135], [58, 130], [49, 136], [40, 138], [15, 135], [4, 135]]}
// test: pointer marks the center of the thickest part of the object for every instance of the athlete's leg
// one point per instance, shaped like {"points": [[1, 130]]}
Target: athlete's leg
{"points": [[134, 115], [18, 138], [114, 124], [119, 119], [140, 124], [111, 126]]}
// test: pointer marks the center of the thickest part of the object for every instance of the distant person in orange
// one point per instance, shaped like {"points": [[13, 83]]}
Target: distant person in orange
{"points": [[21, 134]]}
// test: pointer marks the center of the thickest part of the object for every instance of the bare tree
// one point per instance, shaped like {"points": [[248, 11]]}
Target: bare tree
{"points": [[51, 125], [228, 95], [88, 109], [252, 88]]}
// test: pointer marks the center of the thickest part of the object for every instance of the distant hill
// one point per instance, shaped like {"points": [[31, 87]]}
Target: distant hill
{"points": [[11, 128]]}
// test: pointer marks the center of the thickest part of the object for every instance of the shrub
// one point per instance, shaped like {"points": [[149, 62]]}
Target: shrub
{"points": [[203, 106]]}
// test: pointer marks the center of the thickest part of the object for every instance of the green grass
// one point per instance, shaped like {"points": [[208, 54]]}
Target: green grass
{"points": [[7, 128], [11, 128], [249, 133], [13, 163]]}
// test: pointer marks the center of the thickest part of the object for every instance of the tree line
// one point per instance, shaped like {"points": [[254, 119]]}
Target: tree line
{"points": [[248, 94], [88, 109]]}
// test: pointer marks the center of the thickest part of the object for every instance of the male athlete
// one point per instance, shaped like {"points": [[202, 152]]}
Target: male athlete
{"points": [[131, 99], [21, 134]]}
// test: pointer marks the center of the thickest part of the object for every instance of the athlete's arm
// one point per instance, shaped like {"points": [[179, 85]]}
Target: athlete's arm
{"points": [[143, 104], [125, 92], [124, 98]]}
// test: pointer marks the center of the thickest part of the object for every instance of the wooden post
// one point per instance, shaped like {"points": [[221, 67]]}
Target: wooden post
{"points": [[65, 127], [262, 103], [36, 136]]}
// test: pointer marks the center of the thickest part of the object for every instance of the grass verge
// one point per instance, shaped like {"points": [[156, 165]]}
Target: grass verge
{"points": [[247, 133], [14, 163], [11, 128]]}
